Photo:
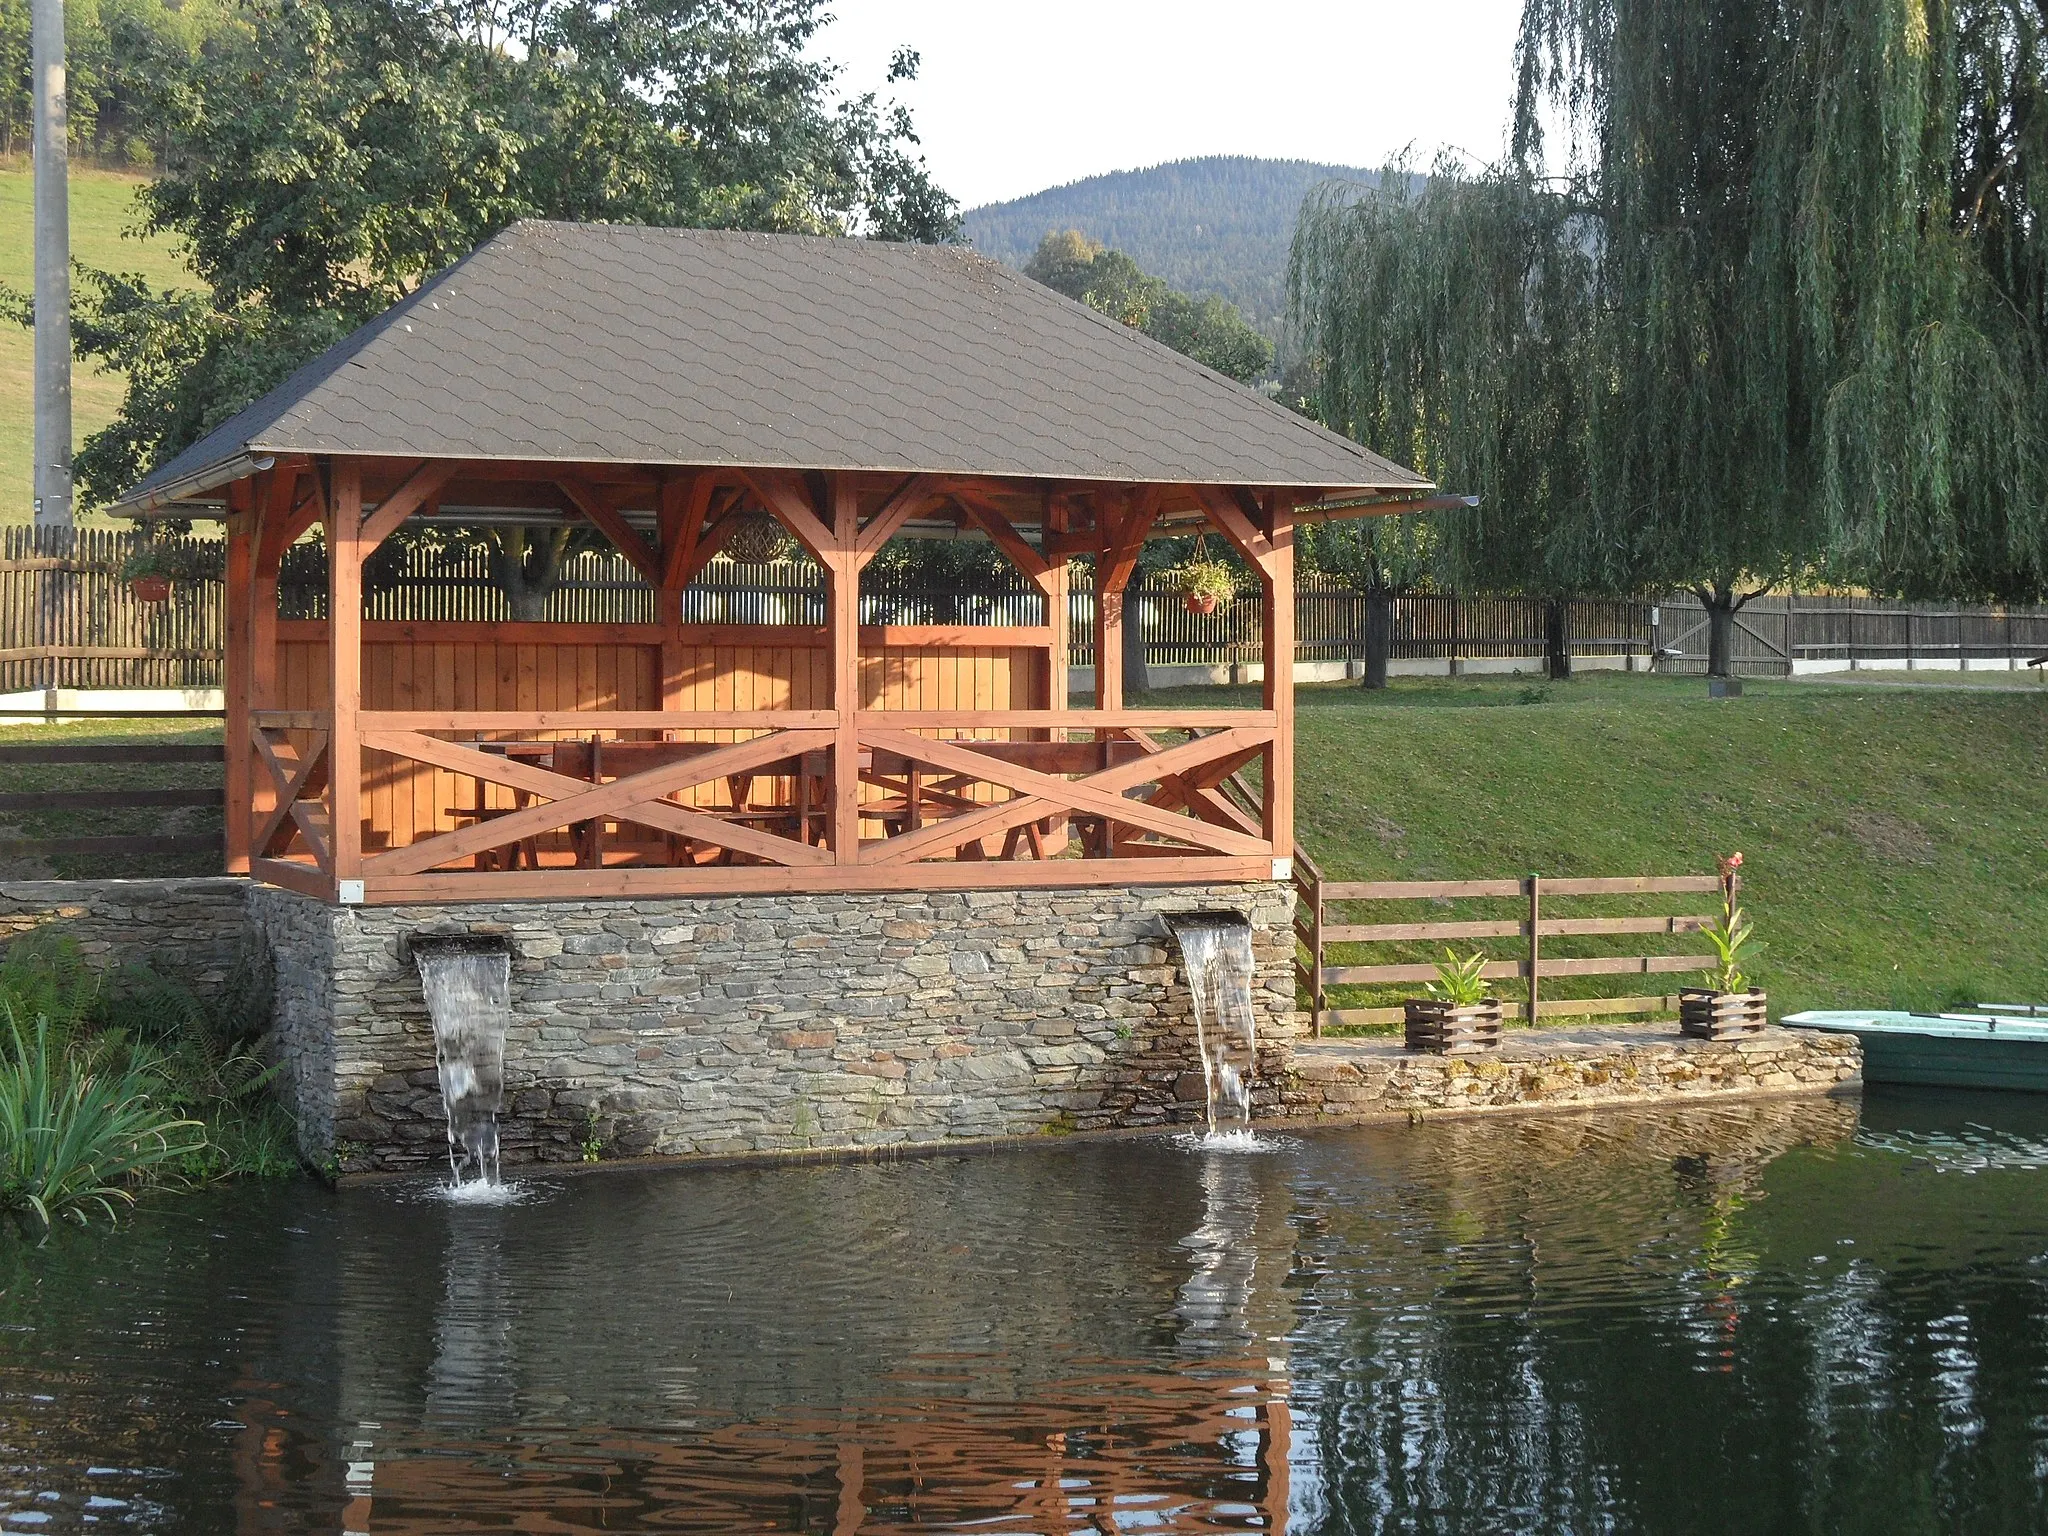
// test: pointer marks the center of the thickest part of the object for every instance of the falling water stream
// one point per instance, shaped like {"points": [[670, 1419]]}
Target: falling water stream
{"points": [[1216, 948], [468, 986]]}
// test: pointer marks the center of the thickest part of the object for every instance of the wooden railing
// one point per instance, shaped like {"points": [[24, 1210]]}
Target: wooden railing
{"points": [[68, 754], [593, 802], [1319, 928]]}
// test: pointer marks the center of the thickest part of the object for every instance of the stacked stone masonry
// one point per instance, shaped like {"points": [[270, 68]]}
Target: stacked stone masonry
{"points": [[770, 1024], [191, 928], [820, 1024], [1351, 1080]]}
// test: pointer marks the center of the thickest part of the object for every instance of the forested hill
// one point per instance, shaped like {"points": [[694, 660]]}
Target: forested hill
{"points": [[1219, 225]]}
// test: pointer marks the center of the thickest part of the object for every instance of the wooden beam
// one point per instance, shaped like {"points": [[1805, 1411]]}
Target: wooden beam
{"points": [[1098, 794], [909, 499], [685, 501], [292, 777], [996, 719], [783, 494], [344, 525], [1277, 578], [604, 512], [1113, 570], [594, 720], [274, 511], [419, 488], [236, 785], [304, 879], [1003, 534], [843, 582], [572, 799], [1231, 521], [590, 884]]}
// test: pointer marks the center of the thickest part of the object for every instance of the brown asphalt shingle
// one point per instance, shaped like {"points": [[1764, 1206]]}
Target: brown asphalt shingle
{"points": [[622, 344]]}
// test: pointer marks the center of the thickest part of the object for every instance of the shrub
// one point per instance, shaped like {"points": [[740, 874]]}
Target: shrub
{"points": [[114, 1079]]}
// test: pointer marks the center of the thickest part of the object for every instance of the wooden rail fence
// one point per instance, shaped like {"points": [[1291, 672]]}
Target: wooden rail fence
{"points": [[30, 802], [1319, 926]]}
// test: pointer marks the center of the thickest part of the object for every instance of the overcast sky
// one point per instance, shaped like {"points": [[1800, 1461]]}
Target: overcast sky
{"points": [[1014, 98]]}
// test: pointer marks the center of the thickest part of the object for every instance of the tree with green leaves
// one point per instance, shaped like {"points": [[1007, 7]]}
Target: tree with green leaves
{"points": [[1768, 306], [1210, 330], [322, 158]]}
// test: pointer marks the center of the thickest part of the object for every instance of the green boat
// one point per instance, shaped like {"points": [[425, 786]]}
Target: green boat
{"points": [[1995, 1045]]}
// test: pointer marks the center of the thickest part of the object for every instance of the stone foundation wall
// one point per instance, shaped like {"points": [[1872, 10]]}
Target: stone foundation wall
{"points": [[1366, 1079], [190, 928], [766, 1023]]}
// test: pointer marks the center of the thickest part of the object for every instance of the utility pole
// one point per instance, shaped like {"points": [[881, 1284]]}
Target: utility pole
{"points": [[53, 269]]}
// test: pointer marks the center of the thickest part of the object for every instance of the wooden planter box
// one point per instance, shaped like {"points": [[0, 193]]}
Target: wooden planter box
{"points": [[1706, 1014], [1450, 1029]]}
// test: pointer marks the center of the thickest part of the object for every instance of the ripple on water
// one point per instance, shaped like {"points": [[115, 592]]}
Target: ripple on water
{"points": [[1243, 1140], [1392, 1328]]}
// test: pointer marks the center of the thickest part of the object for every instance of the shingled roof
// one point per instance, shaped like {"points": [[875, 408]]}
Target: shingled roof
{"points": [[607, 343]]}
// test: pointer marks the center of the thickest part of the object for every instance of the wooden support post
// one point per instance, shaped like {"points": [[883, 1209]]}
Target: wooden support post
{"points": [[236, 762], [1277, 578], [1057, 616], [275, 515], [1317, 1002], [1535, 943], [842, 574], [1109, 639], [344, 524]]}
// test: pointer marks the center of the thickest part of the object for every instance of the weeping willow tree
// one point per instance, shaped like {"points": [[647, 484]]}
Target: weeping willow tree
{"points": [[1757, 293]]}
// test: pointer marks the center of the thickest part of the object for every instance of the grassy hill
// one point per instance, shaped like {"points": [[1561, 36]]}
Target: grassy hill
{"points": [[1220, 225], [102, 208], [1895, 839]]}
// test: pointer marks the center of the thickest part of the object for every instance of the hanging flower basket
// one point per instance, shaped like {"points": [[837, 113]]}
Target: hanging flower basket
{"points": [[149, 571], [758, 539], [1205, 585]]}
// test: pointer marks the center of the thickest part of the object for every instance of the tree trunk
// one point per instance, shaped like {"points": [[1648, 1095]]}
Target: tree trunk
{"points": [[1379, 637], [1557, 648], [1720, 634], [1137, 678], [526, 566]]}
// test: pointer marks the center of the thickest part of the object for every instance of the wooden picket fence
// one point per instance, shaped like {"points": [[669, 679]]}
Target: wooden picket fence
{"points": [[68, 620], [1321, 923]]}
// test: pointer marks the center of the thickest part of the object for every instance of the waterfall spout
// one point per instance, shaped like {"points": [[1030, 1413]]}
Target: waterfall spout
{"points": [[467, 980], [1216, 948]]}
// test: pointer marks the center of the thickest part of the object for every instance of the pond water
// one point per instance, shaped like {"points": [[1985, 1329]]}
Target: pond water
{"points": [[1785, 1316]]}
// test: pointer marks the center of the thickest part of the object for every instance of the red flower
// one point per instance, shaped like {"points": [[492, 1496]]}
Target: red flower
{"points": [[1730, 864]]}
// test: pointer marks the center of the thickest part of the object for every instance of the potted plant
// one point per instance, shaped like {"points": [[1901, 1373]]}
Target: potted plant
{"points": [[149, 571], [1458, 1018], [1204, 585], [1730, 1006]]}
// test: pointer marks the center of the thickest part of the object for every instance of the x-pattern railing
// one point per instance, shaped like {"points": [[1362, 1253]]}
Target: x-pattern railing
{"points": [[1136, 793]]}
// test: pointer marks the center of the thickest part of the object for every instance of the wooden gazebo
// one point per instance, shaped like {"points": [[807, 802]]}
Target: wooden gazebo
{"points": [[665, 385]]}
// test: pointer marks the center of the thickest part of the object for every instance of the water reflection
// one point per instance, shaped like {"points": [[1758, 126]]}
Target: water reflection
{"points": [[1575, 1322]]}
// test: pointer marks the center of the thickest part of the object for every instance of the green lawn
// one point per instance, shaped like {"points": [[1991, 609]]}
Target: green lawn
{"points": [[1895, 840], [102, 209], [134, 821]]}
